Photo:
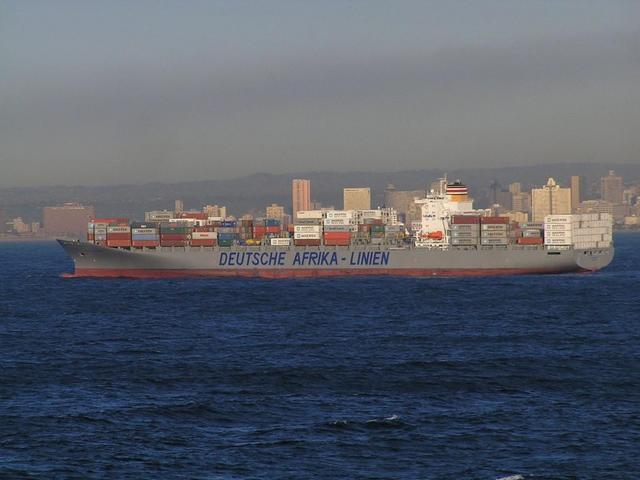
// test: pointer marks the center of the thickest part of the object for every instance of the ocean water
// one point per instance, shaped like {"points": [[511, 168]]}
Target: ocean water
{"points": [[437, 378]]}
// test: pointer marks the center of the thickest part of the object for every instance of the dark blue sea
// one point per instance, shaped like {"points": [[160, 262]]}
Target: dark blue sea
{"points": [[437, 378]]}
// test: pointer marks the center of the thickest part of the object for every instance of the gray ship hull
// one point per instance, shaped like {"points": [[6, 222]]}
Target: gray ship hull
{"points": [[284, 262]]}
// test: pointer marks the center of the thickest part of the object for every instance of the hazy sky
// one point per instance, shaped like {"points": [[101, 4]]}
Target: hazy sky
{"points": [[103, 92]]}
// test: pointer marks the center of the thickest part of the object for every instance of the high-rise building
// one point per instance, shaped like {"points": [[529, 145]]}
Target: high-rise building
{"points": [[550, 200], [275, 211], [215, 211], [577, 183], [515, 188], [300, 195], [595, 206], [521, 202], [179, 206], [403, 202], [611, 188], [356, 198], [68, 220]]}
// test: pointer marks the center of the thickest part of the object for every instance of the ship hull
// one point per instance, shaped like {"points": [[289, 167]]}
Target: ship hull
{"points": [[302, 262]]}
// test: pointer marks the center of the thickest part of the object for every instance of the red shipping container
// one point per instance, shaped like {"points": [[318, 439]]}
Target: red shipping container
{"points": [[118, 236], [145, 243], [337, 242], [337, 238], [273, 229], [530, 241], [118, 243], [174, 236], [174, 243], [465, 219], [306, 242], [204, 243], [495, 220], [337, 235]]}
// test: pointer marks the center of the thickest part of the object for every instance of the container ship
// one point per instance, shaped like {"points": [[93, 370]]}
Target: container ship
{"points": [[450, 239]]}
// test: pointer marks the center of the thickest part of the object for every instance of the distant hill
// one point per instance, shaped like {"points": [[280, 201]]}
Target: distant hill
{"points": [[252, 193]]}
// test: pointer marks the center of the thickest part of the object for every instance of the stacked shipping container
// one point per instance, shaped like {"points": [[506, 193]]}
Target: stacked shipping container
{"points": [[465, 230]]}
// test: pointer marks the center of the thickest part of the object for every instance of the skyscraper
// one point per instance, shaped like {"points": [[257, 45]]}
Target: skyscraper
{"points": [[550, 200], [356, 198], [275, 211], [576, 192], [300, 195], [611, 188], [179, 206]]}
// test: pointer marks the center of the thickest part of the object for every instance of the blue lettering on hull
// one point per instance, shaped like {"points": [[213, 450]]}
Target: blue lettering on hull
{"points": [[301, 259]]}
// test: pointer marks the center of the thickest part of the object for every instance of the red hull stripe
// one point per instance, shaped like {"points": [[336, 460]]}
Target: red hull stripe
{"points": [[304, 273]]}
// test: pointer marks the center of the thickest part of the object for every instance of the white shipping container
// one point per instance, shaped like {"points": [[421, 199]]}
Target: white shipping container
{"points": [[560, 219], [494, 226], [338, 221], [465, 226], [280, 242], [559, 226], [306, 235], [309, 214], [339, 214], [493, 241], [183, 222], [558, 233], [307, 229], [371, 214], [557, 241]]}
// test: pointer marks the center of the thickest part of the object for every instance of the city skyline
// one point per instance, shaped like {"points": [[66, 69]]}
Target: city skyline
{"points": [[620, 199]]}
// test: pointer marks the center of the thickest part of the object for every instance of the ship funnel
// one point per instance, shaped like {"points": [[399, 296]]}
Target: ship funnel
{"points": [[457, 191]]}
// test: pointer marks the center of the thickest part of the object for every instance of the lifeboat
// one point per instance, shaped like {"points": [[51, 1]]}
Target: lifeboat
{"points": [[434, 235]]}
